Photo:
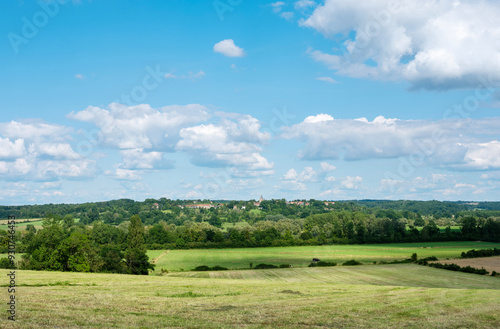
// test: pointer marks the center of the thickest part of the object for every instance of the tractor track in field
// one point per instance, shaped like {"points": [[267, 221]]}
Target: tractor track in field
{"points": [[155, 260]]}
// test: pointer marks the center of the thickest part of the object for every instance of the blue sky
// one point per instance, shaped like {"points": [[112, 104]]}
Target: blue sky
{"points": [[233, 99]]}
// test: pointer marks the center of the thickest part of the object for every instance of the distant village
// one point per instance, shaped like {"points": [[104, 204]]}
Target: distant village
{"points": [[196, 205]]}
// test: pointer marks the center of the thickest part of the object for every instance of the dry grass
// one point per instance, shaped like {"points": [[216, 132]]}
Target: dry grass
{"points": [[382, 296], [488, 263]]}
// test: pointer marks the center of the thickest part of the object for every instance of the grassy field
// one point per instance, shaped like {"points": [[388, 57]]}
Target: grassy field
{"points": [[225, 226], [21, 223], [178, 260], [372, 296]]}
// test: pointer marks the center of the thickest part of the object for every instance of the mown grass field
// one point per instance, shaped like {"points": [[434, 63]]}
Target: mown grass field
{"points": [[21, 224], [371, 296], [178, 260]]}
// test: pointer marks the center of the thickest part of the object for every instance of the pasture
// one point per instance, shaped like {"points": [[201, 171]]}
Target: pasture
{"points": [[184, 260], [375, 296]]}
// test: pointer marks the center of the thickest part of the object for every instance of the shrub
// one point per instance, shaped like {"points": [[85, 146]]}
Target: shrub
{"points": [[285, 265], [7, 264], [264, 266], [208, 268], [351, 262], [481, 253], [219, 268], [322, 264], [414, 257]]}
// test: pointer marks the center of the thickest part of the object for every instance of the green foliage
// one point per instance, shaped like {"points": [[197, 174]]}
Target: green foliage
{"points": [[137, 262], [265, 266], [481, 253], [135, 233], [351, 262], [455, 267], [7, 264], [322, 264], [414, 257]]}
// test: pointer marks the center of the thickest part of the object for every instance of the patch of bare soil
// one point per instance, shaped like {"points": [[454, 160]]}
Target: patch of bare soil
{"points": [[490, 264]]}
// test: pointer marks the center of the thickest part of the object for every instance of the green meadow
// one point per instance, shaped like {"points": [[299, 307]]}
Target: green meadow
{"points": [[185, 260], [367, 296]]}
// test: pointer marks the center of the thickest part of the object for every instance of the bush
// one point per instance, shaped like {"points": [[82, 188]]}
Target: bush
{"points": [[285, 265], [208, 268], [455, 267], [322, 264], [424, 261], [264, 266], [481, 253], [7, 264], [219, 268], [351, 262]]}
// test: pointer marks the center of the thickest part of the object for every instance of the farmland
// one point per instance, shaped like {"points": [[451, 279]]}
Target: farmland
{"points": [[178, 260], [394, 296], [488, 263]]}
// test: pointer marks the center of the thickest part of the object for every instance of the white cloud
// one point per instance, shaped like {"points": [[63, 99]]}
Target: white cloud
{"points": [[318, 118], [10, 149], [325, 166], [228, 48], [189, 76], [294, 181], [277, 6], [326, 79], [431, 44], [134, 127], [352, 183], [40, 151], [79, 76], [302, 4], [34, 131], [458, 144], [57, 150], [288, 15], [125, 174], [483, 155], [228, 143], [138, 159], [291, 175]]}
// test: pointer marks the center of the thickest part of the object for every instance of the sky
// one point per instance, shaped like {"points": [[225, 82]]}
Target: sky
{"points": [[234, 99]]}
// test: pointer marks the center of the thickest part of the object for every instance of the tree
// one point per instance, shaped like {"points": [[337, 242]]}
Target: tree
{"points": [[135, 233], [137, 261], [136, 258], [215, 220], [68, 221]]}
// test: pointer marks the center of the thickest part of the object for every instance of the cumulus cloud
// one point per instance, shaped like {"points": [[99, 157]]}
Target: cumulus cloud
{"points": [[294, 181], [228, 48], [40, 151], [140, 126], [138, 159], [228, 143], [143, 135], [325, 166], [458, 144], [431, 44], [10, 149]]}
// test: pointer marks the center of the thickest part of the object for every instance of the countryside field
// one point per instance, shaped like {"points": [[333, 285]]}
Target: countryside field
{"points": [[366, 296], [371, 296], [179, 260]]}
